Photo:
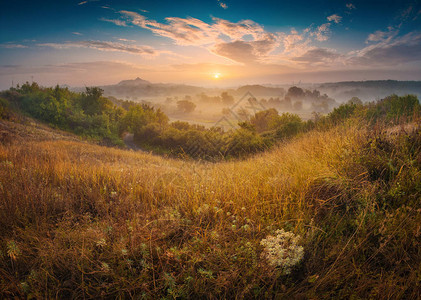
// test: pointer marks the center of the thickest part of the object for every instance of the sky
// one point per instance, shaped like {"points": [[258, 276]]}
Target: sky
{"points": [[208, 42]]}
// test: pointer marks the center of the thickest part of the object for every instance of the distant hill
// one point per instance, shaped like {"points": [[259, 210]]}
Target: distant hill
{"points": [[135, 82], [142, 88], [138, 88], [369, 90], [260, 91]]}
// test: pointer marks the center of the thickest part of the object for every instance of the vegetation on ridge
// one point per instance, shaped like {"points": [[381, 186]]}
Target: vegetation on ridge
{"points": [[91, 115]]}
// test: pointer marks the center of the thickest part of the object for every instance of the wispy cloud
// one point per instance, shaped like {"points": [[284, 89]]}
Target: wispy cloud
{"points": [[87, 1], [76, 33], [188, 31], [222, 4], [13, 46], [237, 30], [318, 56], [126, 40], [336, 18], [104, 46], [115, 21], [389, 51], [380, 35], [350, 6]]}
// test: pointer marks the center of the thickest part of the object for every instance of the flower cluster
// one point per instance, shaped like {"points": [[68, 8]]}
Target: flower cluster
{"points": [[282, 250]]}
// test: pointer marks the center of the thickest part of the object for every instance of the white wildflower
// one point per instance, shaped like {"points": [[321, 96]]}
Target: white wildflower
{"points": [[283, 250], [101, 243]]}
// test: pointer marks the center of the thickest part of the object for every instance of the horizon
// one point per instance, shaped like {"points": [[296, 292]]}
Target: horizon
{"points": [[218, 45]]}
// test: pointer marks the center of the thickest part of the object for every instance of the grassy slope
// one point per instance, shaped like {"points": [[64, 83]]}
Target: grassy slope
{"points": [[81, 220]]}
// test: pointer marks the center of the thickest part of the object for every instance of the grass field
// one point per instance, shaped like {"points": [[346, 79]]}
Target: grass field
{"points": [[78, 220]]}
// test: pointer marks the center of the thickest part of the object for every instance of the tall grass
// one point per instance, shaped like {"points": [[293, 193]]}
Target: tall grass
{"points": [[80, 220]]}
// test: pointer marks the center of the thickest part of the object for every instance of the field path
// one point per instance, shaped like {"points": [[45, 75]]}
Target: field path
{"points": [[128, 140]]}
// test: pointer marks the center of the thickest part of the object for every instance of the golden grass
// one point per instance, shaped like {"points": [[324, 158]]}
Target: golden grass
{"points": [[91, 221]]}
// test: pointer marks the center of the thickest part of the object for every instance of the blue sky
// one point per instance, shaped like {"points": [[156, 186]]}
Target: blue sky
{"points": [[95, 42]]}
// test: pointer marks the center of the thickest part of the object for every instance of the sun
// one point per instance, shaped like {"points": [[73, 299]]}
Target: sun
{"points": [[216, 75]]}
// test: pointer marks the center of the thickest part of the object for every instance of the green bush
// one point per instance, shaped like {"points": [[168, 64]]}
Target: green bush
{"points": [[393, 108], [4, 109]]}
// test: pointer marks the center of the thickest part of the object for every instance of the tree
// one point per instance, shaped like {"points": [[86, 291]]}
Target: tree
{"points": [[227, 98], [264, 120], [295, 92], [298, 105], [288, 125], [134, 119], [243, 113], [93, 103], [355, 100], [186, 106]]}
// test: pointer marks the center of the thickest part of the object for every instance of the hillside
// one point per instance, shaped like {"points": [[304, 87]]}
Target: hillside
{"points": [[78, 220], [367, 90]]}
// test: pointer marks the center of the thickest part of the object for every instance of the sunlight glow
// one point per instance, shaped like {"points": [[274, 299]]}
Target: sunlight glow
{"points": [[216, 75]]}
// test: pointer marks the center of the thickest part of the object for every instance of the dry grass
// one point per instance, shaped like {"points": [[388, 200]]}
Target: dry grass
{"points": [[79, 220]]}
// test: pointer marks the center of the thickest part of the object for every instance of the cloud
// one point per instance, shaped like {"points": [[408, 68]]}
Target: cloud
{"points": [[188, 31], [318, 55], [246, 51], [126, 40], [336, 18], [322, 32], [238, 51], [221, 37], [406, 13], [114, 21], [238, 30], [13, 46], [410, 13], [192, 31], [86, 1], [294, 43], [76, 33], [350, 6], [390, 52], [244, 41], [416, 15], [382, 35], [104, 46], [223, 5]]}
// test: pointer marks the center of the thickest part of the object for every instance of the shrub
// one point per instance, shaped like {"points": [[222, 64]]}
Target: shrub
{"points": [[4, 109]]}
